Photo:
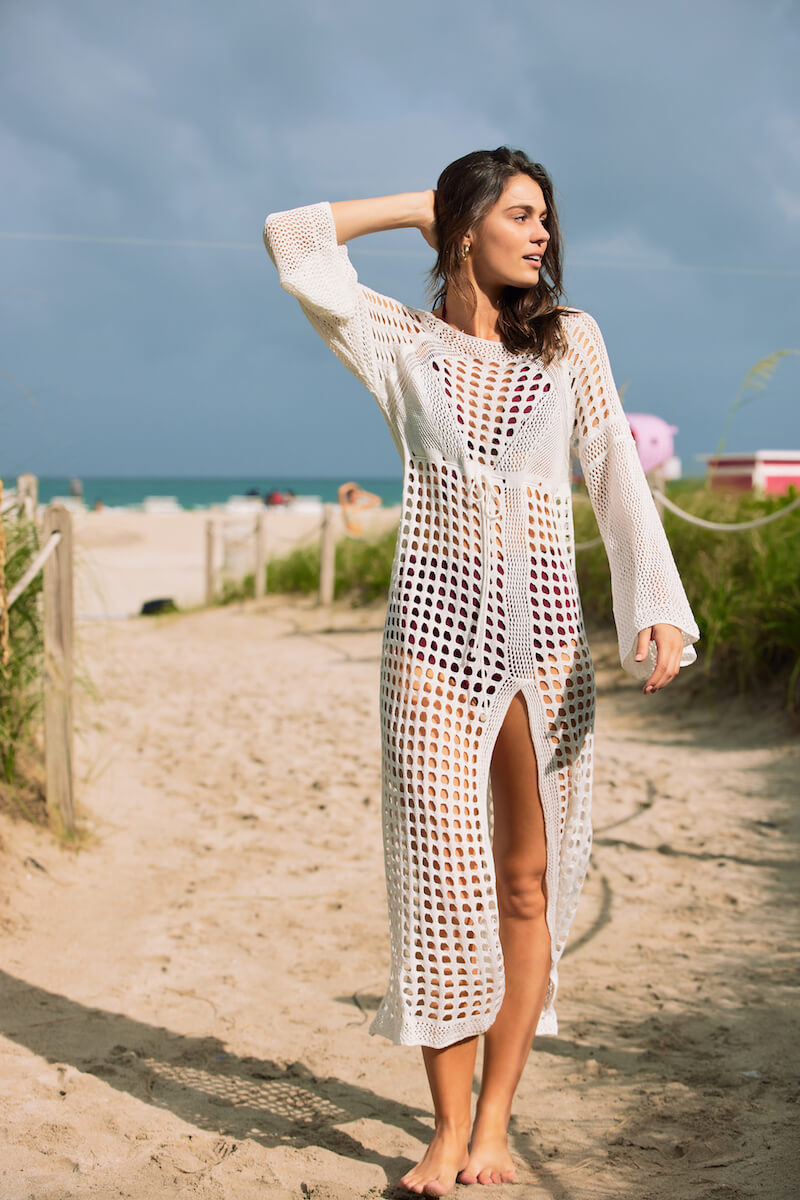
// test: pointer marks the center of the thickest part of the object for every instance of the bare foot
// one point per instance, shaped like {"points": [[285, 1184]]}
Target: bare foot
{"points": [[489, 1160], [435, 1174]]}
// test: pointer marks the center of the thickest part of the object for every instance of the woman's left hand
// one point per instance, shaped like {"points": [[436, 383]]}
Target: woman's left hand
{"points": [[669, 648]]}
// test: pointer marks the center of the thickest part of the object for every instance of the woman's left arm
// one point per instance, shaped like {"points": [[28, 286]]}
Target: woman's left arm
{"points": [[655, 625]]}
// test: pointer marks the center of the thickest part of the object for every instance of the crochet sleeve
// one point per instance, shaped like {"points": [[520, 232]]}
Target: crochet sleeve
{"points": [[314, 268], [645, 584]]}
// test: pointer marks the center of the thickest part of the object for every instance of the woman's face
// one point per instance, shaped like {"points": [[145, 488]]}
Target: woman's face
{"points": [[506, 248]]}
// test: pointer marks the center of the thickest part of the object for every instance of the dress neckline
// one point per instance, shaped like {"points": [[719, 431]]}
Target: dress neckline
{"points": [[457, 337]]}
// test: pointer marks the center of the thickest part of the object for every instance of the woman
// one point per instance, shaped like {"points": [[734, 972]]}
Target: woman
{"points": [[353, 500], [486, 693]]}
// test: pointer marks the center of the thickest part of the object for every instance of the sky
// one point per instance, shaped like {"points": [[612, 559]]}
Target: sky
{"points": [[142, 327]]}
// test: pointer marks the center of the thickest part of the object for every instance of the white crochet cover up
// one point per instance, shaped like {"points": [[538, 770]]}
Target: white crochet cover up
{"points": [[483, 603]]}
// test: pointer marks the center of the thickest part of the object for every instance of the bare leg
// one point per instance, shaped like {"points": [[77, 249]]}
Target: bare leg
{"points": [[520, 854], [450, 1073]]}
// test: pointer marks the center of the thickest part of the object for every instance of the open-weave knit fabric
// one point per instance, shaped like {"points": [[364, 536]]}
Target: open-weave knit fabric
{"points": [[483, 603]]}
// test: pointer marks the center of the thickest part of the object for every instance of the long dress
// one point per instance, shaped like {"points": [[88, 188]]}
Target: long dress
{"points": [[483, 603]]}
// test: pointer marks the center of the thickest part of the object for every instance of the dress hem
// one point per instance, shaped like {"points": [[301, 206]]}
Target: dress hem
{"points": [[421, 1032]]}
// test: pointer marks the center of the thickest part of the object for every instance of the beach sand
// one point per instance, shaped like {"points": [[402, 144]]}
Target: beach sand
{"points": [[185, 1001]]}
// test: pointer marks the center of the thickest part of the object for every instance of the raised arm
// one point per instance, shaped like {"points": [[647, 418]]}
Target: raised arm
{"points": [[407, 210], [362, 328]]}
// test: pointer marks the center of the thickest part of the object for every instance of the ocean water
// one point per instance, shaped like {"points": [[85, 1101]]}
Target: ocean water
{"points": [[200, 492]]}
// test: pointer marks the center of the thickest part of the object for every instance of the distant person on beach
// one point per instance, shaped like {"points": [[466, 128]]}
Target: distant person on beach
{"points": [[353, 499], [486, 674]]}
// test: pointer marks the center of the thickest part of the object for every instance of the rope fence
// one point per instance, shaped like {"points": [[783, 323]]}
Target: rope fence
{"points": [[33, 570], [322, 533], [243, 544], [721, 527], [714, 526]]}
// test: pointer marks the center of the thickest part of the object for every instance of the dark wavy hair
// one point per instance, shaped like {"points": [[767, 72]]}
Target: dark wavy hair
{"points": [[530, 318]]}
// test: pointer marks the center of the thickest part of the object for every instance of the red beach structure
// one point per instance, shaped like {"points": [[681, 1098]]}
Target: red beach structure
{"points": [[771, 472]]}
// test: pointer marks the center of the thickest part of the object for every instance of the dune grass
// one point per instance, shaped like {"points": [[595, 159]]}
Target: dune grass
{"points": [[21, 681], [744, 588], [362, 571]]}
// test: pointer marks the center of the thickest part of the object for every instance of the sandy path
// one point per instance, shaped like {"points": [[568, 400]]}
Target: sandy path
{"points": [[184, 1002]]}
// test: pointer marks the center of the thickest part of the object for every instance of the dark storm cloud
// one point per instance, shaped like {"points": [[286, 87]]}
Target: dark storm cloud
{"points": [[670, 129]]}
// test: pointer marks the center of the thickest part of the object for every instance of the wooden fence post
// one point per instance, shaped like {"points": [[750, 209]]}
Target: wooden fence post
{"points": [[58, 637], [28, 495], [327, 555], [210, 561], [259, 571]]}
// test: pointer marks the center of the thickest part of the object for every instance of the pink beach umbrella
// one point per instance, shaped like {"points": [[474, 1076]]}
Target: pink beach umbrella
{"points": [[653, 437]]}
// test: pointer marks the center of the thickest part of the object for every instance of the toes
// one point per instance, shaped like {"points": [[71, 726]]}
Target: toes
{"points": [[467, 1176], [431, 1187]]}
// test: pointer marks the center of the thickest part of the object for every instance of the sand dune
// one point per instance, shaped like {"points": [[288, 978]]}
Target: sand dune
{"points": [[184, 1002]]}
